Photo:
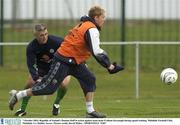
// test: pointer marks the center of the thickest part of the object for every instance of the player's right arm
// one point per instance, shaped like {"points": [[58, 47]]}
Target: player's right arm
{"points": [[31, 61], [93, 42]]}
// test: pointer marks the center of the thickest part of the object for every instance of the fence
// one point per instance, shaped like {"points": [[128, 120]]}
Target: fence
{"points": [[127, 20], [137, 57], [140, 57]]}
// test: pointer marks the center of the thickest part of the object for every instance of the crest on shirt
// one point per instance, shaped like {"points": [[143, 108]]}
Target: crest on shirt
{"points": [[51, 50]]}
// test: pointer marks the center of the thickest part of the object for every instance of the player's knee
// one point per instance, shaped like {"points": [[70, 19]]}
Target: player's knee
{"points": [[90, 88], [93, 88], [65, 82], [91, 84], [30, 81]]}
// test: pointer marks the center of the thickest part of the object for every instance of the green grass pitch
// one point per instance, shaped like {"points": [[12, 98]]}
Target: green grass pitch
{"points": [[115, 96]]}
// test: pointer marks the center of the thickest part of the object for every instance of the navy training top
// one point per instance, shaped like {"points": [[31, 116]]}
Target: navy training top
{"points": [[39, 56]]}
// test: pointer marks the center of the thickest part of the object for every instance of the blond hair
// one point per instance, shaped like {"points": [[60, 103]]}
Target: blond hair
{"points": [[95, 11]]}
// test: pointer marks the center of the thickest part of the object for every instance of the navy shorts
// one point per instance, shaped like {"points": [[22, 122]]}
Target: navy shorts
{"points": [[58, 71], [42, 72]]}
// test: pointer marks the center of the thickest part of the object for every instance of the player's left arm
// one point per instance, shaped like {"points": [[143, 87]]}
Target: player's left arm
{"points": [[31, 62], [93, 41]]}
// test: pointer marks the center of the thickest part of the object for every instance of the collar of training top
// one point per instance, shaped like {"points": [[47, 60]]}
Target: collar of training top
{"points": [[87, 18]]}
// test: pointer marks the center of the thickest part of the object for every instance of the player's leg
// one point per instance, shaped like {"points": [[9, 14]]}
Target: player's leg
{"points": [[61, 91], [87, 81], [47, 86], [25, 100], [89, 95], [91, 113], [17, 95]]}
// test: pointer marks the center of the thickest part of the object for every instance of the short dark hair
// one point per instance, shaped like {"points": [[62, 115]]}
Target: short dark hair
{"points": [[40, 27]]}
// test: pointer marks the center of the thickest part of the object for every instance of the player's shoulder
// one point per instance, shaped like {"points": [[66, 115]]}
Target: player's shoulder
{"points": [[32, 44], [54, 38]]}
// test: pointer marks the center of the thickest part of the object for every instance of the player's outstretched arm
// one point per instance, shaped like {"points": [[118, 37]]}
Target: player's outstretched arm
{"points": [[93, 41]]}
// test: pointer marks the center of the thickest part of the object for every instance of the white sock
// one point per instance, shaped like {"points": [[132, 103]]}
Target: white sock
{"points": [[89, 107], [21, 94]]}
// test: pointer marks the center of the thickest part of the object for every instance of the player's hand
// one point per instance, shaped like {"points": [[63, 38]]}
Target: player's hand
{"points": [[114, 68]]}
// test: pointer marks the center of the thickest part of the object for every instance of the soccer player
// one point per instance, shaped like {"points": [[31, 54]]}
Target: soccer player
{"points": [[39, 54], [79, 44]]}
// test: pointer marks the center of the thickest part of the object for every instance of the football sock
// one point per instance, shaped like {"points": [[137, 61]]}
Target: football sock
{"points": [[89, 107], [21, 94], [25, 102], [60, 94]]}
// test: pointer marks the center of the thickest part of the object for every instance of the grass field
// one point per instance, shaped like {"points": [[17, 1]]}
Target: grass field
{"points": [[115, 96]]}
